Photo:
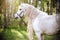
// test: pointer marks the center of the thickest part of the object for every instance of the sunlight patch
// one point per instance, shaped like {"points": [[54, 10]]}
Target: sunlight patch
{"points": [[24, 32], [17, 33]]}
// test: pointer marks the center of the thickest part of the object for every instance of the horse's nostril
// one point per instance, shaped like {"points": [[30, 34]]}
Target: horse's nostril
{"points": [[16, 17]]}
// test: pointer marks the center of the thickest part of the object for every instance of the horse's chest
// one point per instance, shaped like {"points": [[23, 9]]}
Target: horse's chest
{"points": [[37, 26]]}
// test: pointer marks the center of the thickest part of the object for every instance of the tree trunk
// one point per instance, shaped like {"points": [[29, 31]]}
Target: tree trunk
{"points": [[51, 7], [5, 20], [39, 4], [36, 3], [47, 7], [42, 5], [58, 18]]}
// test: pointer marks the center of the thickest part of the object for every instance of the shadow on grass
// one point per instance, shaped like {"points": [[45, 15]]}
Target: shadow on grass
{"points": [[13, 34]]}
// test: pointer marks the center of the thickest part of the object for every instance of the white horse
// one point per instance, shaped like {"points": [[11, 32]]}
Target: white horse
{"points": [[40, 21]]}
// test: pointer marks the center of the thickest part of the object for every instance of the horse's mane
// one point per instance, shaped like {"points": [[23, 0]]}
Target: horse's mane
{"points": [[34, 11]]}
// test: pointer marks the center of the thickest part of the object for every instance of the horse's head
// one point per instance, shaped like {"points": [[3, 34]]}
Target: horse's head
{"points": [[22, 10]]}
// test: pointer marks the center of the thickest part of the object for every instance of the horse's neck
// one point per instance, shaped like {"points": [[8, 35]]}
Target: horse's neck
{"points": [[37, 12], [33, 13]]}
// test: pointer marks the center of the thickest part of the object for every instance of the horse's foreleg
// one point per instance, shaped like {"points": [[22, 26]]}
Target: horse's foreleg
{"points": [[30, 31], [38, 34]]}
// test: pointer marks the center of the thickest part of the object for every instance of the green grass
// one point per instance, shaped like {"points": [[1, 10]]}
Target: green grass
{"points": [[13, 34]]}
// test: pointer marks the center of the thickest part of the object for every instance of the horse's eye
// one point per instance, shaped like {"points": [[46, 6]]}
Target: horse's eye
{"points": [[20, 9]]}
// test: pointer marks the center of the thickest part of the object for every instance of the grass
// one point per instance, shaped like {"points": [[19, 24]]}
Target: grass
{"points": [[13, 34]]}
